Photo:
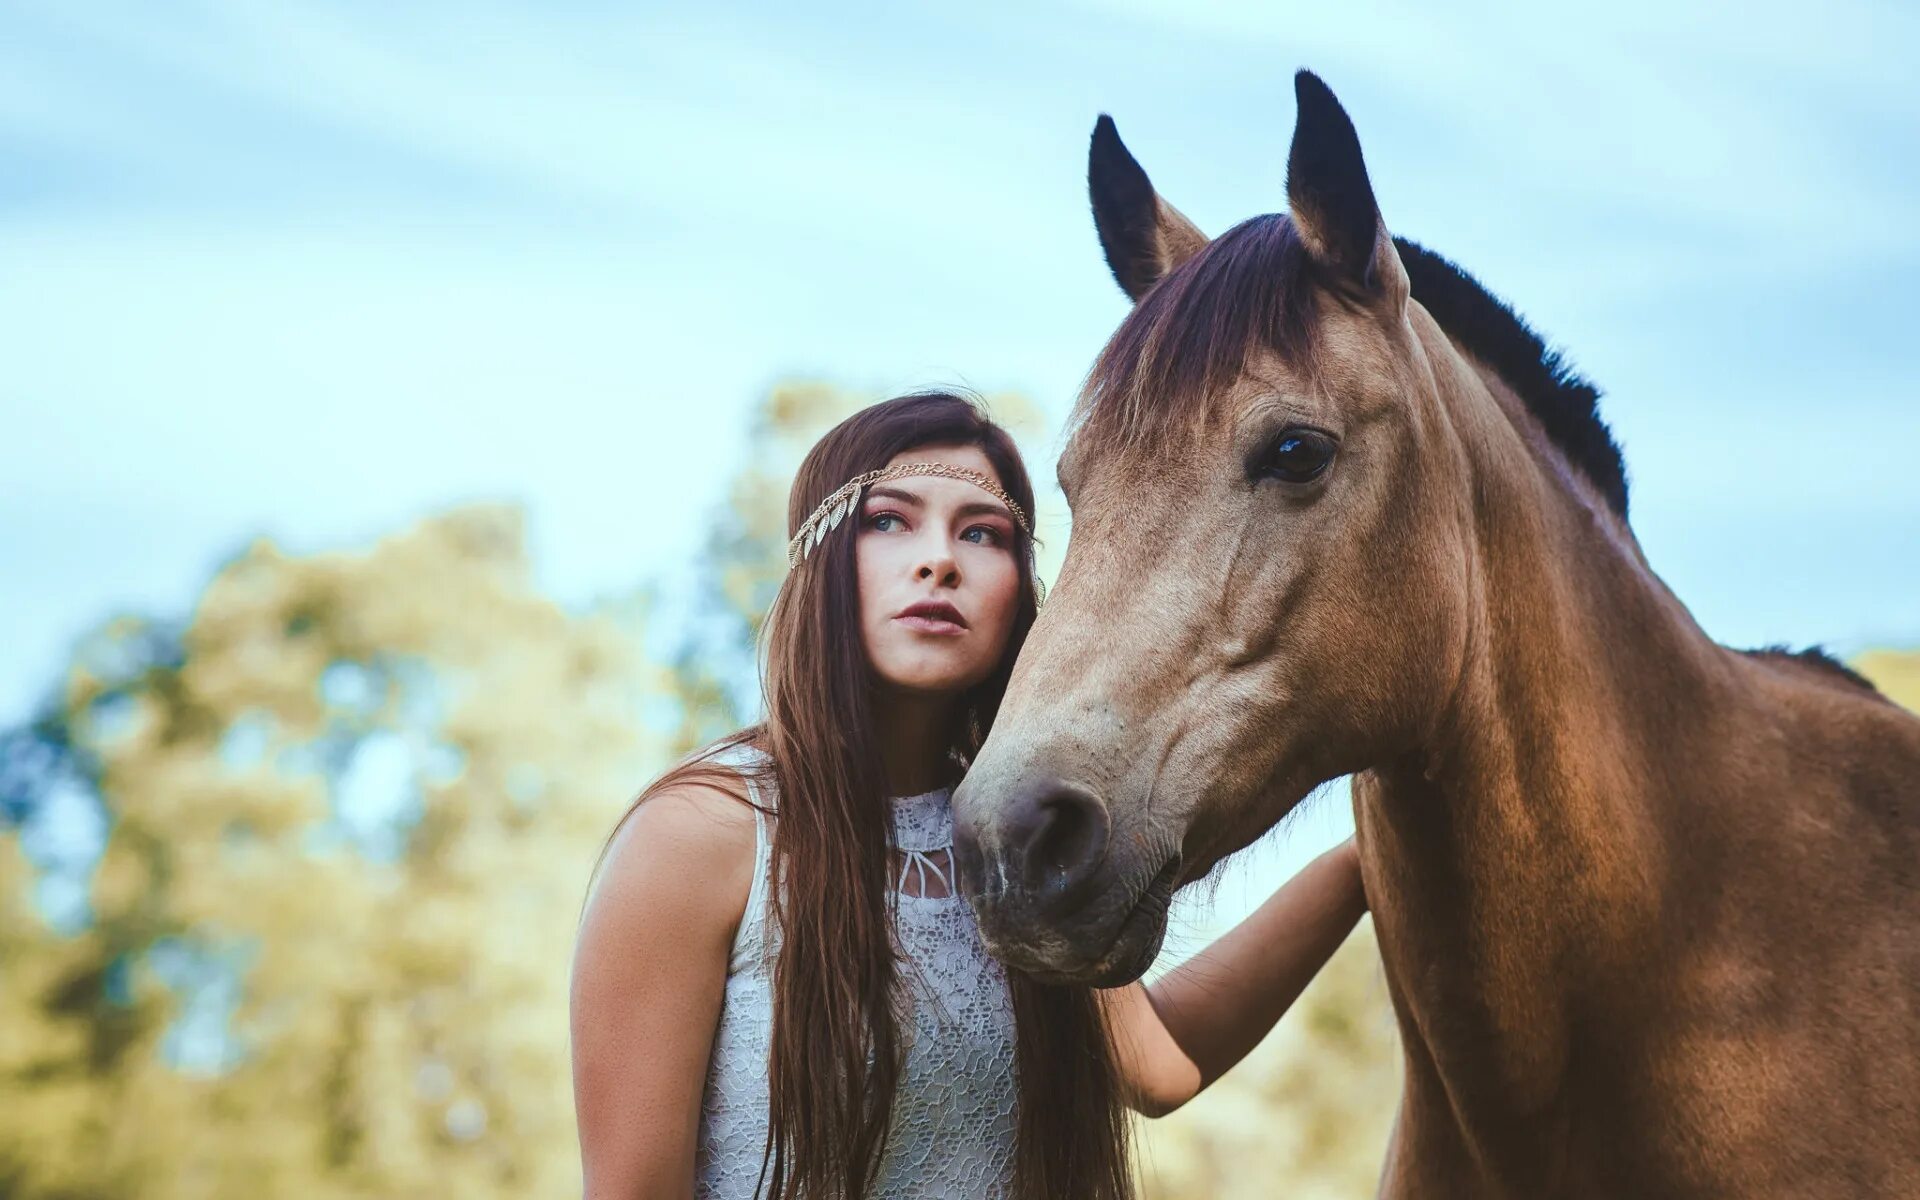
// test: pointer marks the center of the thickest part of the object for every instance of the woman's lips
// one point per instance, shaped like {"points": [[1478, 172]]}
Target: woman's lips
{"points": [[940, 619], [930, 624]]}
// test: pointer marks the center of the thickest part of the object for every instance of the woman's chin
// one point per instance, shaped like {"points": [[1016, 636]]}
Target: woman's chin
{"points": [[931, 677]]}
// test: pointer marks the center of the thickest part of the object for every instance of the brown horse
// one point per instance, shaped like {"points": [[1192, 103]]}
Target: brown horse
{"points": [[1649, 907]]}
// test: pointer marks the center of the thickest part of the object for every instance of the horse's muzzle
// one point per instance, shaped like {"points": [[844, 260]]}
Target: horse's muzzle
{"points": [[1036, 864]]}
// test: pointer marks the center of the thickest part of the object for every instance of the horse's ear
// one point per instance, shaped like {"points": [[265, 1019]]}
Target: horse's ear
{"points": [[1145, 237], [1334, 211]]}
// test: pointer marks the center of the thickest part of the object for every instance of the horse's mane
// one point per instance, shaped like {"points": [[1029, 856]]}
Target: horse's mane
{"points": [[1250, 286], [1566, 405], [1816, 660]]}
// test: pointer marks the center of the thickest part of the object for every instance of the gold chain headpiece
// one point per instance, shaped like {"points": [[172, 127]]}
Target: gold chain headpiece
{"points": [[844, 499]]}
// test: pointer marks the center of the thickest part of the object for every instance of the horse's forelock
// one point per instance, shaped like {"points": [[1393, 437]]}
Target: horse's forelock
{"points": [[1189, 337]]}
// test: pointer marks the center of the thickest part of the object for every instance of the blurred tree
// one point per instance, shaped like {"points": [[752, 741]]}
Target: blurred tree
{"points": [[348, 813], [1894, 672], [743, 561], [1305, 1115]]}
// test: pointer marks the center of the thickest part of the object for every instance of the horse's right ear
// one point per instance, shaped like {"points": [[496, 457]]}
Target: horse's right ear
{"points": [[1334, 211], [1145, 237]]}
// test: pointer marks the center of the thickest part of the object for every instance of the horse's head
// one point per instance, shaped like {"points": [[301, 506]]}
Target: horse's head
{"points": [[1266, 586]]}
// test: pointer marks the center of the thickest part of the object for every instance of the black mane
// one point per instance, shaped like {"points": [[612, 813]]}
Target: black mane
{"points": [[1567, 406], [1817, 659]]}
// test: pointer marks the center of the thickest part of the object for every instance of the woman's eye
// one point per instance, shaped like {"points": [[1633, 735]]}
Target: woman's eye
{"points": [[885, 522], [1295, 456], [983, 535]]}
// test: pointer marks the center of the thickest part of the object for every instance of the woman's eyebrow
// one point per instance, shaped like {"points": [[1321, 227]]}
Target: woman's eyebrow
{"points": [[977, 508], [971, 508], [893, 494]]}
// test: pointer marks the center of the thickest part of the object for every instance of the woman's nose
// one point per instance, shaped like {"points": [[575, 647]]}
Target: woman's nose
{"points": [[939, 567]]}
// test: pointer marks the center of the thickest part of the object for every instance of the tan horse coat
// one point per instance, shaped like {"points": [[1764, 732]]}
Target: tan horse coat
{"points": [[1649, 907]]}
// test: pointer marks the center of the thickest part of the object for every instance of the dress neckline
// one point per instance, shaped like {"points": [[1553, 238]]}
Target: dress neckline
{"points": [[922, 822]]}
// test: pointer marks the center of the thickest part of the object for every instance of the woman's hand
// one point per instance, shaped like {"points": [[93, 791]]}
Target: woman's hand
{"points": [[1177, 1036]]}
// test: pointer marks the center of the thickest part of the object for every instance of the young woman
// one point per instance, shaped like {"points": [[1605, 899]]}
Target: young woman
{"points": [[777, 991]]}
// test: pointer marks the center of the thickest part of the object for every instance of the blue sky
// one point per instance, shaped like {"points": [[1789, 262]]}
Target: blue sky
{"points": [[312, 270]]}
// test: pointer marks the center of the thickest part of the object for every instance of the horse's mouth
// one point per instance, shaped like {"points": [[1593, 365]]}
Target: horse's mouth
{"points": [[1135, 944]]}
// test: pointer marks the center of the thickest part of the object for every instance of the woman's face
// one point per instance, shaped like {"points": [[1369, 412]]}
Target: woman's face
{"points": [[939, 575]]}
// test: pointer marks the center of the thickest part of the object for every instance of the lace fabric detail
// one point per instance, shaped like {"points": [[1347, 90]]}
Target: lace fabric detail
{"points": [[922, 823], [922, 840], [953, 1118]]}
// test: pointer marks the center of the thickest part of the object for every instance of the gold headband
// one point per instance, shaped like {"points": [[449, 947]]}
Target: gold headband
{"points": [[845, 498]]}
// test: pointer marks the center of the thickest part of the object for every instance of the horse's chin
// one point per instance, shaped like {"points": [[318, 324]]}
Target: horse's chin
{"points": [[1132, 949]]}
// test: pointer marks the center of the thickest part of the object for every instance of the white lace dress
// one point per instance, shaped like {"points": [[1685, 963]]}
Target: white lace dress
{"points": [[953, 1117]]}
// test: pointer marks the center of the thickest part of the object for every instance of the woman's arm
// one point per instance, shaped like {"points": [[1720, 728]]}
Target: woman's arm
{"points": [[649, 971], [1179, 1035]]}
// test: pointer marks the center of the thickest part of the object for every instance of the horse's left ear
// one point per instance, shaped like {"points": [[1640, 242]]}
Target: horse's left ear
{"points": [[1334, 211], [1145, 237]]}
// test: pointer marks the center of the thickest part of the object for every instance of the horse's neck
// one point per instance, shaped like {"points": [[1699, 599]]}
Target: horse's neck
{"points": [[1611, 833], [1517, 860]]}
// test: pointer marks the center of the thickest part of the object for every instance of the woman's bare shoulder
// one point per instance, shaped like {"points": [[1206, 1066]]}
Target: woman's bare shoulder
{"points": [[686, 850], [712, 812], [649, 977]]}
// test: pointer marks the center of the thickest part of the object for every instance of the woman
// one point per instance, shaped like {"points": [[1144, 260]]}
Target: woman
{"points": [[776, 989]]}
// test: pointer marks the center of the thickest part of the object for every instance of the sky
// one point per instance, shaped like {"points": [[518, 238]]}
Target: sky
{"points": [[312, 270]]}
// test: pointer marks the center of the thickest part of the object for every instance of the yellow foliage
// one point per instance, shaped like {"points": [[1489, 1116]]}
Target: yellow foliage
{"points": [[1306, 1114], [398, 1018], [1894, 672]]}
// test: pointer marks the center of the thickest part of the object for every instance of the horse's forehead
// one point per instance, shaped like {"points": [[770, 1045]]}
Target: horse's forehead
{"points": [[1121, 495], [1202, 424], [1099, 468]]}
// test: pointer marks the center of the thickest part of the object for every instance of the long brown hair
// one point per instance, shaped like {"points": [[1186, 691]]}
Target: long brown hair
{"points": [[836, 1053]]}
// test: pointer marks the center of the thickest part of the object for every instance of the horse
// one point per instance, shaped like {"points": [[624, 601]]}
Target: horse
{"points": [[1648, 907]]}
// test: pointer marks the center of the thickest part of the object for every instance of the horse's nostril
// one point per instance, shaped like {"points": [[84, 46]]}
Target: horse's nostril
{"points": [[1057, 838]]}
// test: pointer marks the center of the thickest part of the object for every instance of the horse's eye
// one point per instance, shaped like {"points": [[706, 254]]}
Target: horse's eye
{"points": [[1295, 455]]}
